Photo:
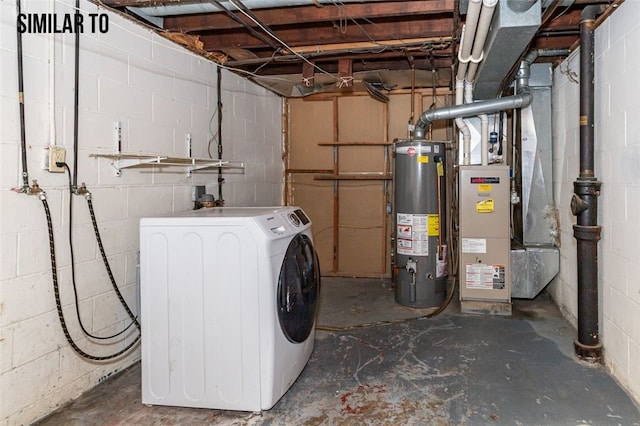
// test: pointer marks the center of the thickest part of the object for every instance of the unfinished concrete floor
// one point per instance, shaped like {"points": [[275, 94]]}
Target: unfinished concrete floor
{"points": [[452, 369]]}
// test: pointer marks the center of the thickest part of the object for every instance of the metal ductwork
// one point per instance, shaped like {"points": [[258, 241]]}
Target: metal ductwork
{"points": [[515, 23], [185, 8], [535, 255]]}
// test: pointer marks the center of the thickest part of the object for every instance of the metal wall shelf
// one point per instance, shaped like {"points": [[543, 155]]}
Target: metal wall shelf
{"points": [[126, 160]]}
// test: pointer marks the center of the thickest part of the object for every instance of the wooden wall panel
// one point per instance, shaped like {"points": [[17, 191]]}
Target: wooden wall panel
{"points": [[356, 159], [310, 124], [399, 114], [361, 119], [316, 199], [362, 221]]}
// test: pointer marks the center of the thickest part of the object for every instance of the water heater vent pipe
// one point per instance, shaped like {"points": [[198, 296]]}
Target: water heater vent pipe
{"points": [[521, 100]]}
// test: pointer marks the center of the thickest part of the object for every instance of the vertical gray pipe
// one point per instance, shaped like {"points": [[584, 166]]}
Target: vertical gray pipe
{"points": [[584, 203], [76, 90], [23, 139]]}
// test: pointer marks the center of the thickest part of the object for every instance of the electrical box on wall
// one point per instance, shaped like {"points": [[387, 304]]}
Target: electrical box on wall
{"points": [[53, 156], [485, 241]]}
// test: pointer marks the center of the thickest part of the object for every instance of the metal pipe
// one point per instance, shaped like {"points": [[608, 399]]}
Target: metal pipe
{"points": [[584, 203], [520, 5], [76, 85], [187, 8], [52, 81], [535, 53], [23, 139], [521, 100]]}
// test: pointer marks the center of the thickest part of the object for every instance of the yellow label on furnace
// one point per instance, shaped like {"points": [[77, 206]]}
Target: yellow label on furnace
{"points": [[423, 158], [485, 206], [484, 187]]}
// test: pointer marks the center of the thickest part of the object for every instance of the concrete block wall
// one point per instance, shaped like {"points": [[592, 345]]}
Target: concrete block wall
{"points": [[159, 92], [617, 165]]}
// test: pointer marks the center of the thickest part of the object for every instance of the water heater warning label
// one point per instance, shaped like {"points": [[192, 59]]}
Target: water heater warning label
{"points": [[412, 238], [480, 276]]}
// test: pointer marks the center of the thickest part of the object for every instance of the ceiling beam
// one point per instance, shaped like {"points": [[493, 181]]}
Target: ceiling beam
{"points": [[437, 27], [358, 65]]}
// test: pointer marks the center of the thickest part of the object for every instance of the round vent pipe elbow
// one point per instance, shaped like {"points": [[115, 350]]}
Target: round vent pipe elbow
{"points": [[520, 5]]}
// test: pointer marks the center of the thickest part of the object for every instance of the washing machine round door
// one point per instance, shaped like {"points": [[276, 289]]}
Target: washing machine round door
{"points": [[298, 288]]}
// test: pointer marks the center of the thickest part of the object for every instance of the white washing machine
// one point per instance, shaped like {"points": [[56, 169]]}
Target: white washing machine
{"points": [[228, 300]]}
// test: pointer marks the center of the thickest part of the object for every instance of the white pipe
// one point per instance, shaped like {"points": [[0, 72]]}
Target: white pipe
{"points": [[484, 120], [462, 126], [484, 23], [468, 92], [52, 81], [467, 37], [484, 140]]}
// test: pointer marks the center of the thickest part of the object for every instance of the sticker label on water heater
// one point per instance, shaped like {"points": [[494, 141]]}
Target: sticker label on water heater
{"points": [[433, 225], [411, 234]]}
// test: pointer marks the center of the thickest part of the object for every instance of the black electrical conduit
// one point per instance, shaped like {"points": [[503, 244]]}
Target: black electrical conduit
{"points": [[220, 178], [584, 203]]}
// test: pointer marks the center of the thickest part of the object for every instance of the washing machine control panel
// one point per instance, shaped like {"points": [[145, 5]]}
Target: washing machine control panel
{"points": [[284, 222], [295, 221]]}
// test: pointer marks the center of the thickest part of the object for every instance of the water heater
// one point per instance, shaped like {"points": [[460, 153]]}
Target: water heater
{"points": [[419, 245]]}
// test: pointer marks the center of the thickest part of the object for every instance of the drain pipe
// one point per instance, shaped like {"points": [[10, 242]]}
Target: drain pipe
{"points": [[584, 203], [520, 100]]}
